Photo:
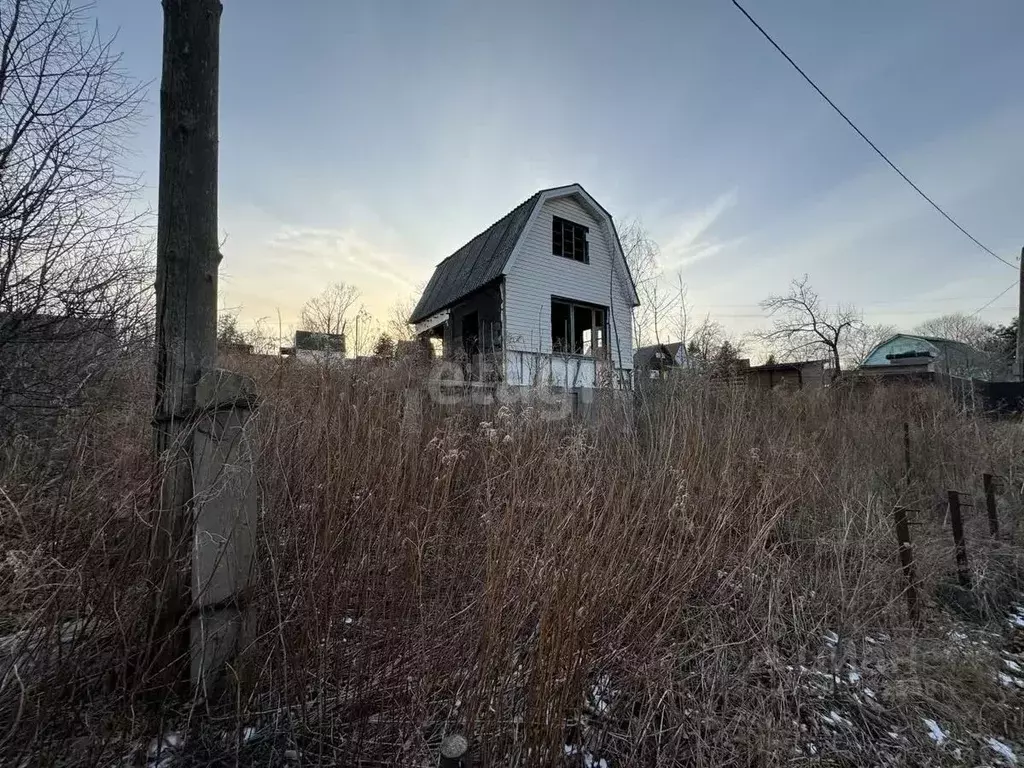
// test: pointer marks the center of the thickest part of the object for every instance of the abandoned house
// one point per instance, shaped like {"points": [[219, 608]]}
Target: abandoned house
{"points": [[542, 296]]}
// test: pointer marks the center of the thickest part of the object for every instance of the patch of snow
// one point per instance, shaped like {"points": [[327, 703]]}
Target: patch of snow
{"points": [[1001, 749], [161, 751], [871, 640], [602, 693], [1013, 665], [248, 734], [834, 718], [869, 693], [935, 733], [1010, 681], [1017, 617], [811, 749], [831, 638], [853, 676]]}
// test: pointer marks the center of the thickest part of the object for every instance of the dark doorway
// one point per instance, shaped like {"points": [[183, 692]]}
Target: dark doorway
{"points": [[471, 333]]}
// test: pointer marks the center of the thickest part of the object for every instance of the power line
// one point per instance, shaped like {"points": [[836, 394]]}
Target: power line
{"points": [[940, 300], [997, 298], [871, 144], [901, 312]]}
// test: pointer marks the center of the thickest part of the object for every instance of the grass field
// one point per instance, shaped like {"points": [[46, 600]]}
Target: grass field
{"points": [[714, 581]]}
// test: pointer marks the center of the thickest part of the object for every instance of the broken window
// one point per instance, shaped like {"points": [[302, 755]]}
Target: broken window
{"points": [[569, 239], [578, 329], [561, 327]]}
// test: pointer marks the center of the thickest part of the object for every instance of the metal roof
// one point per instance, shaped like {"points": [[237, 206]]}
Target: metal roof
{"points": [[945, 346]]}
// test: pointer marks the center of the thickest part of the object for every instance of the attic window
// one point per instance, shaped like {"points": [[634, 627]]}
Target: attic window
{"points": [[569, 239]]}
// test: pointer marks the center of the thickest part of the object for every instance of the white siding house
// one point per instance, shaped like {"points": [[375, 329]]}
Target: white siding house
{"points": [[544, 295]]}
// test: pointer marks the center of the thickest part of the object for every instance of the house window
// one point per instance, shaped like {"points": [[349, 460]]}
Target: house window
{"points": [[569, 239], [578, 329]]}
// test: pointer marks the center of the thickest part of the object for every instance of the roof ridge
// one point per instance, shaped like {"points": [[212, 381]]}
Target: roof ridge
{"points": [[491, 226], [476, 262]]}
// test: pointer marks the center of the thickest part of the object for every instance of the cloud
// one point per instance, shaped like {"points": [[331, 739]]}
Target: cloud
{"points": [[343, 252], [691, 242], [869, 240], [875, 216]]}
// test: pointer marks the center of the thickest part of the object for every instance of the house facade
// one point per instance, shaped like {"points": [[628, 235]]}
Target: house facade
{"points": [[541, 297], [909, 354]]}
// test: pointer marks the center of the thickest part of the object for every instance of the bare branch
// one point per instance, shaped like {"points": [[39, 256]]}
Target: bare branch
{"points": [[804, 325], [71, 246], [329, 312]]}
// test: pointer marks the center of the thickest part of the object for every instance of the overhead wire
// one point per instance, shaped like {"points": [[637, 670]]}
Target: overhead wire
{"points": [[985, 306], [870, 143]]}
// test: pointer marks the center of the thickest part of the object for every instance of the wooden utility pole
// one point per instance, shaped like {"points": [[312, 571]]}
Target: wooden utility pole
{"points": [[186, 296], [1018, 361]]}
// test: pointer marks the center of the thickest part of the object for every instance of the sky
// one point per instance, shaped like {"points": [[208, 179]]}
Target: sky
{"points": [[366, 141]]}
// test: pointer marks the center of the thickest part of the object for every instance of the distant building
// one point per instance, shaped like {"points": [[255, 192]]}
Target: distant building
{"points": [[658, 360], [911, 355], [807, 374], [234, 348], [313, 347]]}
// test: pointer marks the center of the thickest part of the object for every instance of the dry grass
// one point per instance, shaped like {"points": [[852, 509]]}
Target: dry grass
{"points": [[713, 582]]}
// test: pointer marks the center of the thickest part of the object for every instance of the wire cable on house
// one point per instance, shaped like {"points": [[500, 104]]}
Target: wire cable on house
{"points": [[871, 144]]}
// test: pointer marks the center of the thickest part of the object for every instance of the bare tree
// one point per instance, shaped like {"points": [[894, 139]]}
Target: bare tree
{"points": [[73, 256], [804, 325], [958, 326], [397, 323], [709, 342], [663, 311], [332, 310], [682, 310], [642, 253], [232, 335], [862, 339]]}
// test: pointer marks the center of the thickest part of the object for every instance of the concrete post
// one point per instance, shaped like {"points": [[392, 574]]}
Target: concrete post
{"points": [[224, 529], [187, 258]]}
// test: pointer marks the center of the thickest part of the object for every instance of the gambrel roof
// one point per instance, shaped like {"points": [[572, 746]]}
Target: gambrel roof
{"points": [[485, 257]]}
